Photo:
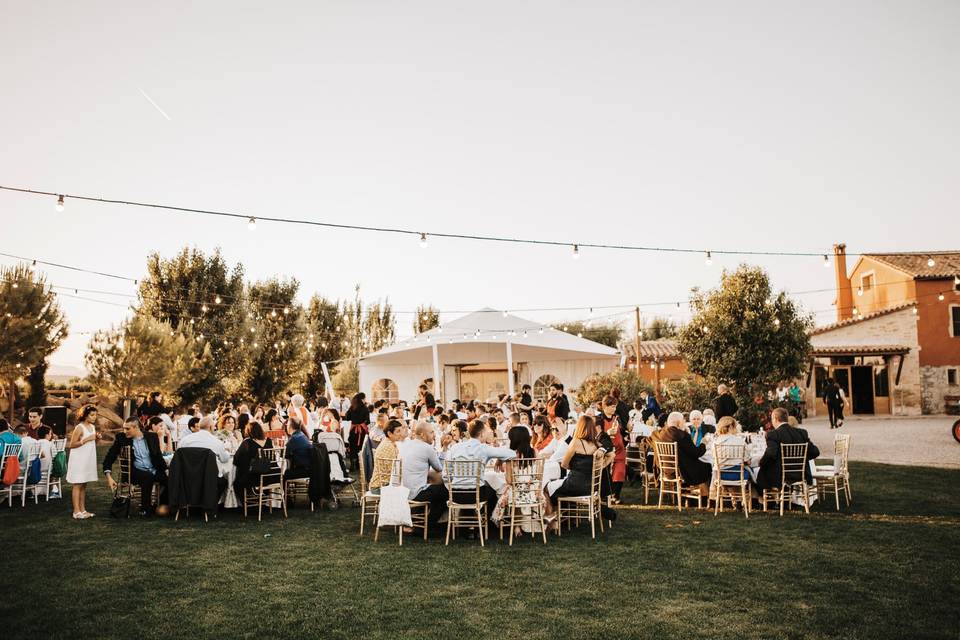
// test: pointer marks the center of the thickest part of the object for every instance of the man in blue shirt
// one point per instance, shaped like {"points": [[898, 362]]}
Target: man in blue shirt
{"points": [[299, 451], [148, 466], [477, 447]]}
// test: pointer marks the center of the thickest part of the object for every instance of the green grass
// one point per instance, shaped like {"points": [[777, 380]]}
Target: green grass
{"points": [[886, 568]]}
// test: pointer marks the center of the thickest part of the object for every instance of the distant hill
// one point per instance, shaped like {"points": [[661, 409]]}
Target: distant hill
{"points": [[62, 374]]}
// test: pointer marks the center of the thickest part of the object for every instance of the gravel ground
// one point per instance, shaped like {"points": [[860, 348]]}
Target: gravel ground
{"points": [[923, 441]]}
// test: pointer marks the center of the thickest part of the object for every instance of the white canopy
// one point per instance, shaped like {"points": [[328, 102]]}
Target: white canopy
{"points": [[488, 336]]}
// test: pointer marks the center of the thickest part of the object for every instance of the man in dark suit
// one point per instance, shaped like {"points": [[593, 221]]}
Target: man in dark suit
{"points": [[724, 405], [768, 477], [148, 466]]}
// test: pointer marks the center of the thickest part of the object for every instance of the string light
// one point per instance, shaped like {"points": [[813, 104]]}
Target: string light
{"points": [[540, 331], [204, 308], [940, 297], [504, 313], [217, 300], [252, 224], [423, 241], [856, 312], [826, 262], [59, 205], [931, 262], [915, 311], [859, 291], [576, 252], [709, 259]]}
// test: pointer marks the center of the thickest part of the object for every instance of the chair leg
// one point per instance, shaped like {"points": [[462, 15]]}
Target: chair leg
{"points": [[836, 491], [660, 501], [782, 494], [806, 498], [426, 521]]}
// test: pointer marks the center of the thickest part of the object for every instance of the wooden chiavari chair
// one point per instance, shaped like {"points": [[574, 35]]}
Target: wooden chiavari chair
{"points": [[577, 508], [525, 503], [464, 479]]}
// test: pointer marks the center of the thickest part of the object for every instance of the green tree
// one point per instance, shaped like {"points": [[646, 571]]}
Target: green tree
{"points": [[378, 327], [326, 341], [203, 294], [599, 385], [142, 355], [427, 318], [659, 329], [31, 324], [609, 333], [277, 344], [687, 394], [743, 335], [37, 381]]}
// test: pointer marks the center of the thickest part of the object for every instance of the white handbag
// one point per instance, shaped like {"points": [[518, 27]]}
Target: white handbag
{"points": [[394, 507]]}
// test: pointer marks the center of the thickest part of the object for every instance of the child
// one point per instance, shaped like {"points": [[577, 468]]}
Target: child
{"points": [[82, 464]]}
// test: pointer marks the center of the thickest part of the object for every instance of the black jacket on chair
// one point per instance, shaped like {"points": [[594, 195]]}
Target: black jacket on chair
{"points": [[153, 446], [194, 479], [769, 474], [319, 474]]}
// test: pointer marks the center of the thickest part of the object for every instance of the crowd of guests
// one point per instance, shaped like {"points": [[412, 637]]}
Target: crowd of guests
{"points": [[423, 435]]}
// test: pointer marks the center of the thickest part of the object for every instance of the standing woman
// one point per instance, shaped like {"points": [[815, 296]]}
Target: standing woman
{"points": [[359, 417], [82, 464]]}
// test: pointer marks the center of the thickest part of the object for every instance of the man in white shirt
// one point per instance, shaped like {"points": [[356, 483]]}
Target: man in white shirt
{"points": [[477, 447], [204, 438], [419, 456]]}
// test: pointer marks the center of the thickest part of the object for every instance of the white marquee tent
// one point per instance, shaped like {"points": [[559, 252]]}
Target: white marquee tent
{"points": [[473, 355]]}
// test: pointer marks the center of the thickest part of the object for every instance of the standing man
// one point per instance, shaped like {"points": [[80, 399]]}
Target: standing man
{"points": [[525, 405], [558, 406], [425, 402], [724, 404], [834, 398]]}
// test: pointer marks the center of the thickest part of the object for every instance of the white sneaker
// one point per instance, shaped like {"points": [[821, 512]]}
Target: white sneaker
{"points": [[87, 514], [78, 515]]}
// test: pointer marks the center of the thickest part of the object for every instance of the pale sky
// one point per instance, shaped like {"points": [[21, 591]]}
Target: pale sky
{"points": [[749, 125]]}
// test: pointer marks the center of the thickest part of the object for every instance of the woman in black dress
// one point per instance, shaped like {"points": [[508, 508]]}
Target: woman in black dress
{"points": [[247, 452], [578, 461]]}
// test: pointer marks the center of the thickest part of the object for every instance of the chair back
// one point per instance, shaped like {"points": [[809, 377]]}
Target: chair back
{"points": [[275, 457], [59, 445], [728, 457], [463, 477], [333, 442], [126, 464], [793, 463], [526, 477], [391, 468], [841, 453], [665, 456], [597, 472], [11, 450]]}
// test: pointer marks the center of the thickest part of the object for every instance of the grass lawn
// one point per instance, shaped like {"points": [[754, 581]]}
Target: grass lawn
{"points": [[889, 567]]}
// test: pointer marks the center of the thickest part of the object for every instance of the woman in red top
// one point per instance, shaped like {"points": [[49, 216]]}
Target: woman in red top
{"points": [[613, 428]]}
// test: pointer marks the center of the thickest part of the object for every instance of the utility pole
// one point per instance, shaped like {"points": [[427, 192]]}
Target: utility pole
{"points": [[636, 339]]}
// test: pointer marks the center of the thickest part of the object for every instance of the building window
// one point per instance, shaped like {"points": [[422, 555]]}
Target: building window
{"points": [[820, 380], [385, 389], [955, 320], [951, 377], [866, 282], [541, 388]]}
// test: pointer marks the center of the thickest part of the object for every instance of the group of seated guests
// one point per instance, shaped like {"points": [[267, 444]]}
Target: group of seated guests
{"points": [[424, 448], [695, 443]]}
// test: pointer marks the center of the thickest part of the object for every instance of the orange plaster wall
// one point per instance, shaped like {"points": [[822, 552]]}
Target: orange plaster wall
{"points": [[937, 347]]}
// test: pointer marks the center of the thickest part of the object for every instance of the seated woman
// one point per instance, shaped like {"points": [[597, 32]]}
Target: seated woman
{"points": [[330, 420], [520, 442], [247, 452], [227, 431], [728, 433], [384, 454], [544, 437], [692, 469], [578, 461], [698, 428]]}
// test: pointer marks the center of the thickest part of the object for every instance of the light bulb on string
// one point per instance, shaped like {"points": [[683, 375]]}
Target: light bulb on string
{"points": [[856, 311], [204, 308], [826, 262], [423, 241], [940, 297], [579, 334], [663, 365], [931, 262], [59, 205], [439, 328], [859, 291], [504, 313], [217, 300], [524, 333], [540, 331], [576, 252], [709, 259], [252, 224], [915, 310]]}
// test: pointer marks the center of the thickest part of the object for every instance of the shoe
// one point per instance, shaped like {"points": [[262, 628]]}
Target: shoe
{"points": [[87, 514], [78, 515], [839, 424]]}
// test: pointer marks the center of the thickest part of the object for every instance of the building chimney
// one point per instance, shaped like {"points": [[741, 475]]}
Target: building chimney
{"points": [[844, 292]]}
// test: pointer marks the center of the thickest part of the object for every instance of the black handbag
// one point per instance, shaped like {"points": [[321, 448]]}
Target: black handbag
{"points": [[120, 507]]}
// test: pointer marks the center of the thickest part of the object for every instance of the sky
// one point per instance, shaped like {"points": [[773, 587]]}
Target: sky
{"points": [[768, 126]]}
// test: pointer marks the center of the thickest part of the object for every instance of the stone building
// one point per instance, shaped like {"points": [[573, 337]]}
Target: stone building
{"points": [[895, 347]]}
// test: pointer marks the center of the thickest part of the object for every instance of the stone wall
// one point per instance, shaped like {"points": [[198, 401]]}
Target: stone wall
{"points": [[897, 328], [935, 387]]}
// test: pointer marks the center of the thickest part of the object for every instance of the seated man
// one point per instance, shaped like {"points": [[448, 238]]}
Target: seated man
{"points": [[298, 452], [203, 438], [148, 466], [419, 456], [768, 476], [477, 447]]}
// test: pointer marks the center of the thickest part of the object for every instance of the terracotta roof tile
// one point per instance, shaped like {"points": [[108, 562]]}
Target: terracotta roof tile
{"points": [[946, 263], [860, 350], [858, 319], [656, 349]]}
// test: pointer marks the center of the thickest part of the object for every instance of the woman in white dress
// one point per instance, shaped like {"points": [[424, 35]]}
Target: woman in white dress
{"points": [[82, 464]]}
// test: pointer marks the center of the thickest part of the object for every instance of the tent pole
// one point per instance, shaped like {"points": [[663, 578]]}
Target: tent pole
{"points": [[436, 373], [510, 387]]}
